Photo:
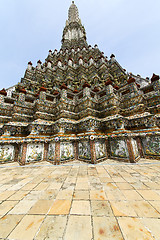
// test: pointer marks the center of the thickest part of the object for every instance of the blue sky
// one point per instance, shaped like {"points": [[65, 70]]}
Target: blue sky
{"points": [[128, 28]]}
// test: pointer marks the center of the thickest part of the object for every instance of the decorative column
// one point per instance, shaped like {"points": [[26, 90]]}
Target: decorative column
{"points": [[16, 152], [155, 81], [42, 94], [29, 66], [140, 148], [46, 146], [3, 94], [22, 93], [24, 151], [93, 150], [76, 149], [57, 151], [39, 65], [107, 147], [109, 87], [130, 150], [86, 89]]}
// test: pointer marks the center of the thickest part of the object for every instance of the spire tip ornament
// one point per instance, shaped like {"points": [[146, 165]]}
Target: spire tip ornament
{"points": [[73, 15]]}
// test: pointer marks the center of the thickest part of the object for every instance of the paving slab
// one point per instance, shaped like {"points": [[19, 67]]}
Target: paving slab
{"points": [[81, 207], [101, 208], [8, 223], [27, 228], [79, 227], [133, 229], [106, 228], [52, 228]]}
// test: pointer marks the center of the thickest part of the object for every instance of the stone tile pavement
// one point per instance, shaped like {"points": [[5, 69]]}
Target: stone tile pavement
{"points": [[78, 201]]}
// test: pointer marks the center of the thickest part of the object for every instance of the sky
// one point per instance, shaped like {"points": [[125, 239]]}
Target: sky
{"points": [[30, 28]]}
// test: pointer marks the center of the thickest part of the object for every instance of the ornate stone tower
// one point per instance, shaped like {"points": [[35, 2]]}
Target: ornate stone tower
{"points": [[74, 35], [79, 105]]}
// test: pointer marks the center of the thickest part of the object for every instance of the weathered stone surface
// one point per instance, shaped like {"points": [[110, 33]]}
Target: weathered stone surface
{"points": [[79, 227], [27, 228], [8, 223], [133, 229], [106, 228], [52, 228], [80, 207]]}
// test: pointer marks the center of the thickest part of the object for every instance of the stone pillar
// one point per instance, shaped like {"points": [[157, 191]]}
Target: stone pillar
{"points": [[1, 99], [130, 150], [42, 96], [64, 93], [86, 92], [57, 153], [107, 148], [3, 94], [76, 150], [21, 97], [7, 132], [109, 89], [16, 152], [93, 151], [24, 151], [46, 146], [140, 148]]}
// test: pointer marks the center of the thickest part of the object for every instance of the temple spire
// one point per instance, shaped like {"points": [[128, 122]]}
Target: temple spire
{"points": [[73, 15], [74, 34]]}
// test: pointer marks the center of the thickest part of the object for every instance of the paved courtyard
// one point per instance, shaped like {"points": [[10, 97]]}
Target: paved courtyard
{"points": [[78, 201]]}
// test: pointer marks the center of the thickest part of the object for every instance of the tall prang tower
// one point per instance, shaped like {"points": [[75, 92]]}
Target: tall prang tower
{"points": [[78, 105]]}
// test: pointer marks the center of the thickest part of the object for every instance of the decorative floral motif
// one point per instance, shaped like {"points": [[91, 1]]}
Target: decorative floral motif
{"points": [[91, 137], [56, 139]]}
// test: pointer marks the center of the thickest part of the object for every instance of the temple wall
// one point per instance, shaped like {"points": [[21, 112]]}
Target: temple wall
{"points": [[89, 149]]}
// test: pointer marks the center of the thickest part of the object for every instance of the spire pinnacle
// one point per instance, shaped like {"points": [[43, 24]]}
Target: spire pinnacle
{"points": [[73, 15]]}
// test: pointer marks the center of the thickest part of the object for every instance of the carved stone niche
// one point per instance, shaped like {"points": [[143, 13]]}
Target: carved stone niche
{"points": [[120, 123], [33, 129], [6, 131]]}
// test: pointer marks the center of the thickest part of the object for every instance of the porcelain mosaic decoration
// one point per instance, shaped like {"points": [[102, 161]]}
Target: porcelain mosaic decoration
{"points": [[6, 153], [100, 149], [119, 148], [84, 150], [135, 148], [66, 151], [79, 104], [34, 152], [152, 145], [51, 152]]}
